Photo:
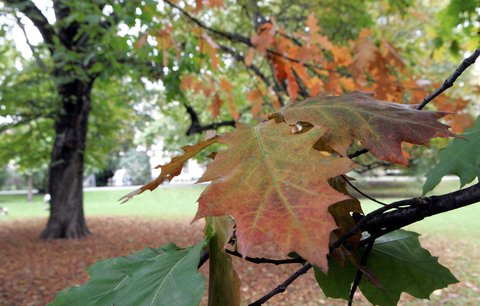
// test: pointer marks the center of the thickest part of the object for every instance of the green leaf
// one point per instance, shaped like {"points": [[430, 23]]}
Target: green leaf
{"points": [[461, 157], [400, 264], [337, 283], [164, 276]]}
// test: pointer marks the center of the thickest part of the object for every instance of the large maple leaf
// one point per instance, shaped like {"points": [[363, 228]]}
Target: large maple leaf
{"points": [[380, 126], [274, 184]]}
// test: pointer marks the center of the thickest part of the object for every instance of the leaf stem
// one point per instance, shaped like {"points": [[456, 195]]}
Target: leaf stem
{"points": [[361, 192], [359, 275]]}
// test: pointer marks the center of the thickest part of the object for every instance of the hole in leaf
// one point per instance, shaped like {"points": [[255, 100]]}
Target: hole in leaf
{"points": [[301, 127]]}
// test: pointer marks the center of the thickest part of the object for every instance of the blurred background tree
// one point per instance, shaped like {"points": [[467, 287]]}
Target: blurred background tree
{"points": [[103, 77]]}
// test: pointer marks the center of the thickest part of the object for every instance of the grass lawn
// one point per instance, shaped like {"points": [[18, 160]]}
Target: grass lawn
{"points": [[179, 202], [165, 202]]}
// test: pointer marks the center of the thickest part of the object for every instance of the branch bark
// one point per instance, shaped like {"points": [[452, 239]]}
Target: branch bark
{"points": [[283, 286], [261, 260], [196, 127], [406, 212]]}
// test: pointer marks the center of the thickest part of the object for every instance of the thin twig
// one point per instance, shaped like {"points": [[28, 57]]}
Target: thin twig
{"points": [[452, 78], [361, 192], [359, 275], [283, 286], [240, 58], [261, 260]]}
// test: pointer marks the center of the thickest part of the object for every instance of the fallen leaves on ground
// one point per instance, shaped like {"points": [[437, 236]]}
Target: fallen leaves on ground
{"points": [[32, 270]]}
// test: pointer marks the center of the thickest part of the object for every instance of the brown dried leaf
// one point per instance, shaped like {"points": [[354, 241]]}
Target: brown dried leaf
{"points": [[173, 168]]}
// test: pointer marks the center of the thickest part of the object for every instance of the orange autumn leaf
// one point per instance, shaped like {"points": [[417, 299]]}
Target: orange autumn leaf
{"points": [[406, 149], [226, 85], [315, 86], [209, 47], [312, 23], [255, 97], [264, 38], [186, 82], [347, 83], [280, 69], [341, 55], [380, 126], [198, 5], [276, 102], [277, 208], [215, 106], [392, 55], [365, 54], [292, 85], [315, 36], [249, 57], [173, 168], [231, 108], [333, 85], [460, 122], [215, 3], [450, 105], [141, 41]]}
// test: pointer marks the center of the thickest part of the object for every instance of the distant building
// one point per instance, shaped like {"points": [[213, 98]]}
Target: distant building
{"points": [[191, 172]]}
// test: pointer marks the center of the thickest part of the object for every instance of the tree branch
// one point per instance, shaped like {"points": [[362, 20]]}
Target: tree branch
{"points": [[240, 58], [26, 119], [410, 211], [195, 127], [32, 12], [39, 61], [452, 78], [283, 286], [261, 260], [229, 36]]}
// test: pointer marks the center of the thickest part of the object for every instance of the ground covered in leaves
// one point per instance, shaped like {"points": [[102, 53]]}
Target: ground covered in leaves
{"points": [[31, 270]]}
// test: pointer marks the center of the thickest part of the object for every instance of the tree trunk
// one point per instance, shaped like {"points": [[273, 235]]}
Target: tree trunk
{"points": [[65, 181], [30, 188]]}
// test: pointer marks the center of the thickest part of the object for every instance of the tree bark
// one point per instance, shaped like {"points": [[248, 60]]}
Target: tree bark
{"points": [[30, 188], [65, 181]]}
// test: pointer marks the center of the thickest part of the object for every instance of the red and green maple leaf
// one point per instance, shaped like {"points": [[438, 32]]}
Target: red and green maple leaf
{"points": [[274, 184], [380, 126]]}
